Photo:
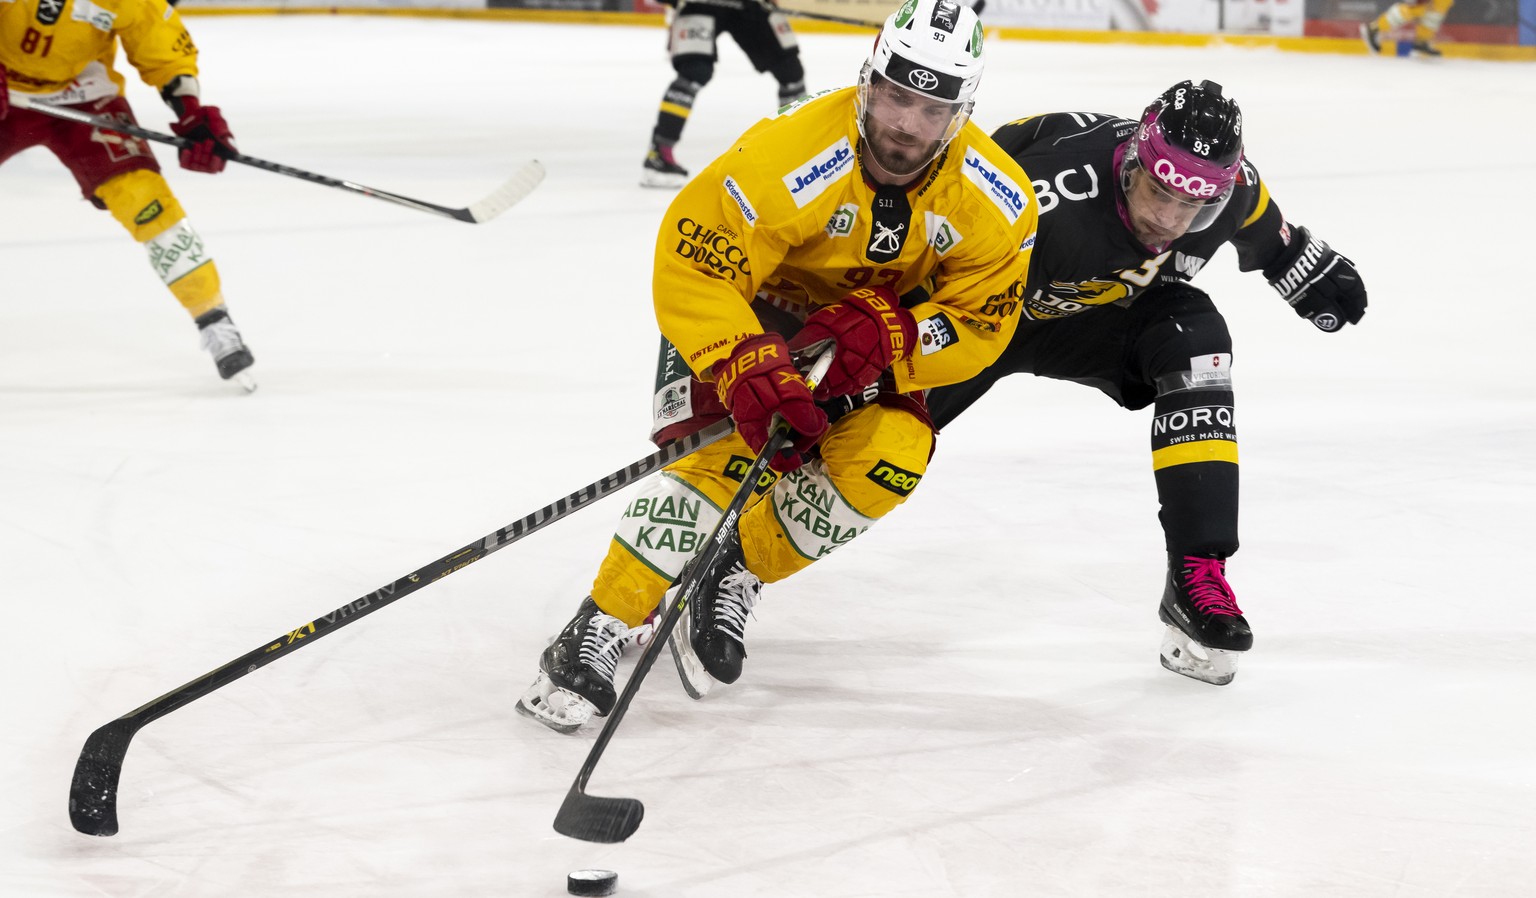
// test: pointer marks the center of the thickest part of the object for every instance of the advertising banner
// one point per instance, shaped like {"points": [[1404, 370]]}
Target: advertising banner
{"points": [[1469, 21]]}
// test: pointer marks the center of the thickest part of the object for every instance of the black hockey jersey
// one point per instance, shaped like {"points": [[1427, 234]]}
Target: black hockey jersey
{"points": [[1085, 255]]}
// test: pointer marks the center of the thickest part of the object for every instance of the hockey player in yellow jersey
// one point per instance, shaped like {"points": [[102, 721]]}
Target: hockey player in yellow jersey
{"points": [[62, 53], [803, 235], [1426, 17]]}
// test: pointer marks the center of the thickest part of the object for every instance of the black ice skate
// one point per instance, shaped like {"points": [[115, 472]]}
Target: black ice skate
{"points": [[1372, 37], [661, 170], [709, 643], [1425, 48], [576, 672], [1206, 630], [222, 340]]}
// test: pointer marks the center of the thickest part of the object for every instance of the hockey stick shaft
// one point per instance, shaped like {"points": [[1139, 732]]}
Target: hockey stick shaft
{"points": [[823, 17], [594, 818], [93, 788], [518, 186]]}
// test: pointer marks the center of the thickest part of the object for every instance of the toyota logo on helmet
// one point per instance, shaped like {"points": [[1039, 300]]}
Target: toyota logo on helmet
{"points": [[923, 80]]}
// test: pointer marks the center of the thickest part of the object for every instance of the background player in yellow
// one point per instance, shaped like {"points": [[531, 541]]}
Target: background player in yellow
{"points": [[805, 233], [61, 52], [1425, 17]]}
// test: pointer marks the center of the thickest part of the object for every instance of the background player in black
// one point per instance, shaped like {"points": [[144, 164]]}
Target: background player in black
{"points": [[762, 32], [1129, 213]]}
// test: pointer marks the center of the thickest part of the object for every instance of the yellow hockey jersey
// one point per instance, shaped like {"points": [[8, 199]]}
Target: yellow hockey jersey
{"points": [[63, 50], [787, 213]]}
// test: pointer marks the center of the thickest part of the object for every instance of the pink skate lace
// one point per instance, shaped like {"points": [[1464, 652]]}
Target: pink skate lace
{"points": [[1206, 581]]}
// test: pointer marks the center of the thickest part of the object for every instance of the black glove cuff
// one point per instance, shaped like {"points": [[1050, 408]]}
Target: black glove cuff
{"points": [[1296, 269]]}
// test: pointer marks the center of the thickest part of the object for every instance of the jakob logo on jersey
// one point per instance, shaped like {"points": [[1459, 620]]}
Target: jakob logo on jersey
{"points": [[888, 232], [812, 177], [48, 11], [998, 187]]}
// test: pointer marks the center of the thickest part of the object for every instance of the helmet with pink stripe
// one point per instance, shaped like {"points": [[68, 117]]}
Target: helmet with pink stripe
{"points": [[1190, 141]]}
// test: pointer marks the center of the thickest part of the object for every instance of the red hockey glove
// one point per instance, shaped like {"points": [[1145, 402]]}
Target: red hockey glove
{"points": [[760, 379], [211, 140], [871, 330]]}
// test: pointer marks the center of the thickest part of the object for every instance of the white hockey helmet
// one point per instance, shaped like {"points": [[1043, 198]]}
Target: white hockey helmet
{"points": [[930, 48]]}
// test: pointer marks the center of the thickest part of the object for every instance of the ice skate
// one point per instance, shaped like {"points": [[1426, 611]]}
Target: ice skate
{"points": [[1206, 630], [575, 681], [221, 339], [1372, 37], [1425, 48], [709, 643], [662, 170]]}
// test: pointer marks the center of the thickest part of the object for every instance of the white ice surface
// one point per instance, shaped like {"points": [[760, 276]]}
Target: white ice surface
{"points": [[967, 702]]}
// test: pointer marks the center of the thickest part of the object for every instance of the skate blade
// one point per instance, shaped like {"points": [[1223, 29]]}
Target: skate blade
{"points": [[1188, 658], [662, 180], [559, 709], [696, 680], [245, 379]]}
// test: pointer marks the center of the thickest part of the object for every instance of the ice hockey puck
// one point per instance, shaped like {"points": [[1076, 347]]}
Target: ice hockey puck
{"points": [[592, 882]]}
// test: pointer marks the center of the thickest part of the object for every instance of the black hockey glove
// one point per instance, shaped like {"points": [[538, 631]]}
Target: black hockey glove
{"points": [[1321, 285]]}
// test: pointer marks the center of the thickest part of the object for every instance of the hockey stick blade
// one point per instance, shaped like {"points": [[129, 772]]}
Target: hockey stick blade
{"points": [[93, 789], [506, 196], [593, 818]]}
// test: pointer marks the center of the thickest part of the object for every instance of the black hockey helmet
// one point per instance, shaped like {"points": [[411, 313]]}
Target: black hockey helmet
{"points": [[1190, 141]]}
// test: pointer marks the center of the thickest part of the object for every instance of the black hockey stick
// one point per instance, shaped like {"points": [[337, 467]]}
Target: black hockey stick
{"points": [[93, 790], [496, 202], [593, 818], [823, 17]]}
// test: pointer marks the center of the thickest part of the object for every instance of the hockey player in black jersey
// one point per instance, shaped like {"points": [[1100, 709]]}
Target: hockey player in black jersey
{"points": [[1129, 212]]}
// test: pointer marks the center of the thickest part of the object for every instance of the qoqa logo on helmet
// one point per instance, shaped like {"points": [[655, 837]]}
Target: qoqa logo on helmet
{"points": [[922, 79], [1190, 184]]}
